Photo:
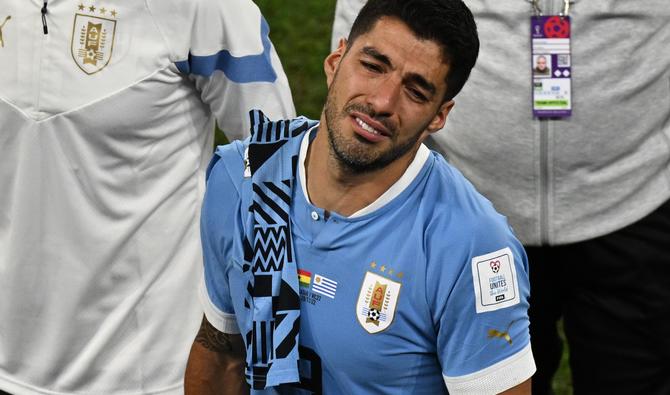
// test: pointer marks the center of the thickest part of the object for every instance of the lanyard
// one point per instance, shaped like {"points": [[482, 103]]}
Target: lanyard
{"points": [[538, 11]]}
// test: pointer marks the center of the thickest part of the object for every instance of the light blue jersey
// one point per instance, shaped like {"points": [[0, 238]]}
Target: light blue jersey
{"points": [[425, 290]]}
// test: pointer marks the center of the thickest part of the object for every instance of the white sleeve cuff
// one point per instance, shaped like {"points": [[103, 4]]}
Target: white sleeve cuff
{"points": [[224, 322], [496, 378]]}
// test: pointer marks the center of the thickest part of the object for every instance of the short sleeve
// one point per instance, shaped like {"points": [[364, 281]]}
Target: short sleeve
{"points": [[225, 47], [483, 342], [217, 224]]}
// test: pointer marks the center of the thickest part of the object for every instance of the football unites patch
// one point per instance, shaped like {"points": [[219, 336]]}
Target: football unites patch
{"points": [[495, 282], [377, 302]]}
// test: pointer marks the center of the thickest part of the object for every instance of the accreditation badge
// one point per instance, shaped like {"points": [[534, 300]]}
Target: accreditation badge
{"points": [[551, 66]]}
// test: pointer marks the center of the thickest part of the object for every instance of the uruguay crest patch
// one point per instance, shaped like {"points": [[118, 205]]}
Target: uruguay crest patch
{"points": [[92, 39], [377, 302]]}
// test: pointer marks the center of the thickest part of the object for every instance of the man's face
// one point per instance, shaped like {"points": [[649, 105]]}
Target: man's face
{"points": [[385, 96], [541, 63]]}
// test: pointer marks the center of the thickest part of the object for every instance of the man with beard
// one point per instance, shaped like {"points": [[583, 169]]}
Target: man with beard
{"points": [[361, 262], [588, 195]]}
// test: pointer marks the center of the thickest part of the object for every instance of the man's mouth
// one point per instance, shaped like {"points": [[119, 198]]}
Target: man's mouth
{"points": [[366, 127]]}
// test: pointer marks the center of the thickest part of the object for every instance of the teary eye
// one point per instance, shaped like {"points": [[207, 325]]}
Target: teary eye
{"points": [[417, 95], [372, 66]]}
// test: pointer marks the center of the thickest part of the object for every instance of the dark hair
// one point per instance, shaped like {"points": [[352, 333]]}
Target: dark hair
{"points": [[447, 22]]}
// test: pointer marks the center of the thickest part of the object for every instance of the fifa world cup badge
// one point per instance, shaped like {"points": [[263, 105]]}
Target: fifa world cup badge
{"points": [[93, 33]]}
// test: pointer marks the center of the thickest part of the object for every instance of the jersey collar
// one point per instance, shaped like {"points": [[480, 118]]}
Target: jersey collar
{"points": [[394, 190]]}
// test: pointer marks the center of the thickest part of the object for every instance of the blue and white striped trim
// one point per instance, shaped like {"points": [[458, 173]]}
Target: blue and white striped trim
{"points": [[245, 69]]}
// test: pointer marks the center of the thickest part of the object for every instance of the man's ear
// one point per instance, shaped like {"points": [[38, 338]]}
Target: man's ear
{"points": [[440, 118], [332, 61]]}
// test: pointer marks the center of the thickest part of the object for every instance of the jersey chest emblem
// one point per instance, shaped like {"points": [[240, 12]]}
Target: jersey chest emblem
{"points": [[377, 302], [92, 41]]}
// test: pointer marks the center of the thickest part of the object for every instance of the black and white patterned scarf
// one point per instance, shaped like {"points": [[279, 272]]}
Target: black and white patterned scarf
{"points": [[273, 297]]}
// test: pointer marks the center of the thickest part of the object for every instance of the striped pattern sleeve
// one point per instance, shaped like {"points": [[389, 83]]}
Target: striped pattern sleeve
{"points": [[225, 47]]}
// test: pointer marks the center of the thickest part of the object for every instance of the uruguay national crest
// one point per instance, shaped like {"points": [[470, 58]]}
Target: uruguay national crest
{"points": [[92, 40], [377, 302]]}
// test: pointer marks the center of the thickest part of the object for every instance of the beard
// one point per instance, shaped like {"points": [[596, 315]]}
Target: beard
{"points": [[356, 155]]}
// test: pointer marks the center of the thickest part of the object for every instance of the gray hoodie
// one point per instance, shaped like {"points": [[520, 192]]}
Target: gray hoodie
{"points": [[565, 180]]}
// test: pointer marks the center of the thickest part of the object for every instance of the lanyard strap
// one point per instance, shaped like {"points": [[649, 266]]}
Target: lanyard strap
{"points": [[538, 11]]}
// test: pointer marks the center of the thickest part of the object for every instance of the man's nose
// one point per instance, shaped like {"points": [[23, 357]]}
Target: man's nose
{"points": [[384, 95]]}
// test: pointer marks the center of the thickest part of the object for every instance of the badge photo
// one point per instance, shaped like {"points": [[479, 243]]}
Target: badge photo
{"points": [[377, 302]]}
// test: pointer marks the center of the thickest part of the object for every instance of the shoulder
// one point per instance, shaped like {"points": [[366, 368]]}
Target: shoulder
{"points": [[205, 27], [458, 201], [227, 167], [463, 223]]}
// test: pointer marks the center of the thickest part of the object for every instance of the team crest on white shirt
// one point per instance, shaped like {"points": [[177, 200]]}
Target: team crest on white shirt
{"points": [[377, 301], [93, 34]]}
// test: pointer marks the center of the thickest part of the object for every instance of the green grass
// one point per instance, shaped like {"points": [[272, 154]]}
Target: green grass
{"points": [[562, 384], [300, 31]]}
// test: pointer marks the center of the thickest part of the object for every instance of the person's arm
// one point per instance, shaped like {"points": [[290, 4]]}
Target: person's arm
{"points": [[217, 359], [486, 350], [224, 47], [216, 363], [521, 389]]}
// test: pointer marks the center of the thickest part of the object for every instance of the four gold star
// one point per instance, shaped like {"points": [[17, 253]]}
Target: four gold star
{"points": [[383, 268], [103, 10]]}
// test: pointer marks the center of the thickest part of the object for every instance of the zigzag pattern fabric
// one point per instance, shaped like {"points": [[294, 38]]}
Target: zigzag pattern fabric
{"points": [[273, 296]]}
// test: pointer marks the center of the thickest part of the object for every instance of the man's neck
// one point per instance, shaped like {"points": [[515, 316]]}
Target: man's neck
{"points": [[336, 189]]}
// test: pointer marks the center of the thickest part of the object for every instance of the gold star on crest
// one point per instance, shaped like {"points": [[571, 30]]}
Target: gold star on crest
{"points": [[373, 265], [400, 275], [103, 10], [383, 268], [391, 272], [114, 13], [91, 8], [81, 7]]}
